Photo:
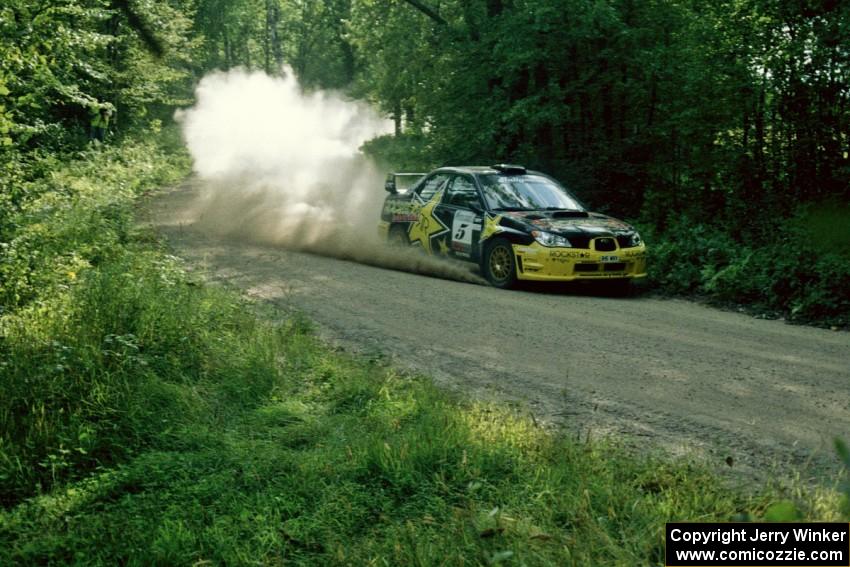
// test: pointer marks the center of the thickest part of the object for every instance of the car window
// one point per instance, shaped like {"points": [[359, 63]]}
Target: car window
{"points": [[462, 193], [526, 192], [432, 185]]}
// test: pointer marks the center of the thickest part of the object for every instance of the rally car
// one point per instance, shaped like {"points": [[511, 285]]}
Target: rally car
{"points": [[516, 224]]}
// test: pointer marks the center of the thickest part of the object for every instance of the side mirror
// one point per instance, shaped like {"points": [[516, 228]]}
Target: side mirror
{"points": [[390, 184]]}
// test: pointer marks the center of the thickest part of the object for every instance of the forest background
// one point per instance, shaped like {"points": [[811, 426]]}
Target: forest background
{"points": [[722, 128]]}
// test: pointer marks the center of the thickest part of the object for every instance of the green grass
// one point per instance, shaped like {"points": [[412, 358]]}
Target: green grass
{"points": [[148, 418], [132, 351], [80, 294], [348, 463]]}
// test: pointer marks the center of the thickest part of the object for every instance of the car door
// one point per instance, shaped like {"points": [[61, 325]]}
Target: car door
{"points": [[461, 210]]}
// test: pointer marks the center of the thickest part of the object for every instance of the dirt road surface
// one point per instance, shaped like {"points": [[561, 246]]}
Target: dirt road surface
{"points": [[665, 374]]}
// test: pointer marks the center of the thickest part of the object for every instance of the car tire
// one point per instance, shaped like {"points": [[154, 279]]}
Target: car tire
{"points": [[499, 265], [397, 237]]}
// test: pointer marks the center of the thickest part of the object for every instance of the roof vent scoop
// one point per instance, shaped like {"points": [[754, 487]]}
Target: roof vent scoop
{"points": [[509, 169]]}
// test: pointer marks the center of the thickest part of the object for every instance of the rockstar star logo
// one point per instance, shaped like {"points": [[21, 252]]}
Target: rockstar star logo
{"points": [[427, 225], [444, 247], [491, 226]]}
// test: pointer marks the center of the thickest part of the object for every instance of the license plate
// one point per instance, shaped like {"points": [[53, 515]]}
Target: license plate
{"points": [[609, 259]]}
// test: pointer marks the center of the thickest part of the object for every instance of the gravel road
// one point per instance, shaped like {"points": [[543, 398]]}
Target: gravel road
{"points": [[662, 374]]}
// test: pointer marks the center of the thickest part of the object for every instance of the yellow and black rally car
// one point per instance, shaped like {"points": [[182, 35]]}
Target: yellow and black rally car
{"points": [[516, 224]]}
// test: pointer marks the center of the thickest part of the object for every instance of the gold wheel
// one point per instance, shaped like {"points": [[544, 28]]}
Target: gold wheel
{"points": [[498, 264]]}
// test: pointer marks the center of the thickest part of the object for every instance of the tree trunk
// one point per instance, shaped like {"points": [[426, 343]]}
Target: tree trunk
{"points": [[266, 39], [228, 50], [397, 118], [273, 18]]}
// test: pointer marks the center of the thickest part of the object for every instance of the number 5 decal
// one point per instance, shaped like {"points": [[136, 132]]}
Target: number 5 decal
{"points": [[462, 228]]}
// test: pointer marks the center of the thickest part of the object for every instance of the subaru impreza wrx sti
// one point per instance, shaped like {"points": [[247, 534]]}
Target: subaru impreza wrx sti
{"points": [[515, 223]]}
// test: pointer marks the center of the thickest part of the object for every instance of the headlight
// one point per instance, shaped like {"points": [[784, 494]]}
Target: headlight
{"points": [[635, 240], [550, 240]]}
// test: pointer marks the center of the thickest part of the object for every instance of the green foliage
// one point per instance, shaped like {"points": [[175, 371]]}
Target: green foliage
{"points": [[782, 511], [705, 107], [148, 87], [59, 218], [69, 293], [686, 255], [844, 455], [309, 37], [62, 59], [130, 353], [406, 152], [824, 226], [347, 463], [791, 276]]}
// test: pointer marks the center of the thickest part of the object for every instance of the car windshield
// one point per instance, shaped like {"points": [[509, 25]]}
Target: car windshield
{"points": [[526, 193]]}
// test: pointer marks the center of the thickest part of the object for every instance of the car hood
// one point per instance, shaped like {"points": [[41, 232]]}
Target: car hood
{"points": [[571, 223]]}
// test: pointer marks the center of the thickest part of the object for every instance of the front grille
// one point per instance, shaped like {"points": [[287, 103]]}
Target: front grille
{"points": [[615, 267], [624, 241], [605, 244], [586, 267]]}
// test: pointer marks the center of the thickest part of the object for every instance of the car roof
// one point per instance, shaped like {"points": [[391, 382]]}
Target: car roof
{"points": [[476, 170]]}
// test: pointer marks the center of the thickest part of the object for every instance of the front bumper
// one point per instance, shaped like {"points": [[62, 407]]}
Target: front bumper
{"points": [[536, 262]]}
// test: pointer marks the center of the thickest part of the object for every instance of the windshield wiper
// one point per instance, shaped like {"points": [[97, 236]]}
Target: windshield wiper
{"points": [[512, 209]]}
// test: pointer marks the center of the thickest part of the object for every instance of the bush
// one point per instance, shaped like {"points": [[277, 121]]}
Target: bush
{"points": [[78, 313], [407, 152], [131, 352], [71, 215], [788, 276], [683, 257]]}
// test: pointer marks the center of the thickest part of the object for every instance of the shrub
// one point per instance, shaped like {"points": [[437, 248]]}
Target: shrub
{"points": [[84, 323], [684, 256], [132, 351], [789, 275]]}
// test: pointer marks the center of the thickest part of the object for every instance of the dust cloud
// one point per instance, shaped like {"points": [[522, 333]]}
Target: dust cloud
{"points": [[277, 165]]}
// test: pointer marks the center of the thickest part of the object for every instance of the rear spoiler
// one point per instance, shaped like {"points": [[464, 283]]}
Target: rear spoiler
{"points": [[401, 181]]}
